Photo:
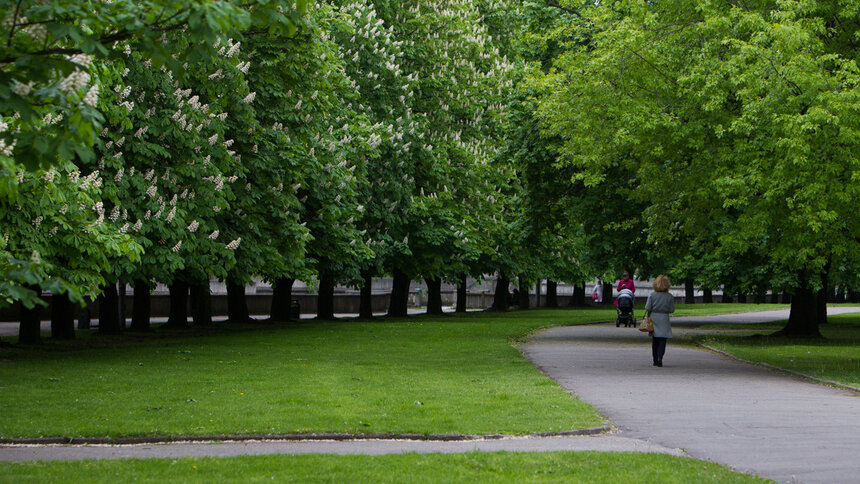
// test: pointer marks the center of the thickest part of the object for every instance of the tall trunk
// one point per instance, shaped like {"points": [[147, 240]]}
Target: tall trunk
{"points": [[742, 298], [109, 310], [537, 293], [237, 305], [774, 297], [707, 296], [398, 305], [282, 299], [121, 305], [365, 300], [30, 329], [525, 296], [141, 308], [500, 299], [551, 294], [62, 317], [201, 304], [806, 314], [689, 291], [179, 304], [578, 297], [607, 293], [461, 294], [325, 298], [434, 296]]}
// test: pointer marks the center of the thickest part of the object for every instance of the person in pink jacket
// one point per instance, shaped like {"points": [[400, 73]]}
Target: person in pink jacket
{"points": [[625, 283]]}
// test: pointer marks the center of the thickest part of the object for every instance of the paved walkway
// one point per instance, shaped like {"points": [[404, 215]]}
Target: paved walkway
{"points": [[699, 404], [752, 419], [608, 442]]}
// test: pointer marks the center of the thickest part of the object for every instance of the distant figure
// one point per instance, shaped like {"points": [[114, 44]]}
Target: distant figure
{"points": [[597, 292], [515, 297], [625, 283], [660, 304]]}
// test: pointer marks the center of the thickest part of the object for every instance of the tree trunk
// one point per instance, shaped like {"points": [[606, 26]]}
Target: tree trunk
{"points": [[434, 296], [141, 308], [537, 293], [179, 304], [742, 298], [325, 298], [237, 305], [774, 297], [30, 329], [365, 299], [607, 293], [500, 299], [808, 311], [525, 296], [689, 291], [201, 304], [461, 294], [109, 310], [62, 317], [707, 296], [727, 295], [551, 294], [578, 297], [398, 306], [282, 299], [121, 305]]}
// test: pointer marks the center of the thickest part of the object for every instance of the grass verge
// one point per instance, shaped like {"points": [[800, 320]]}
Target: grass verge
{"points": [[569, 467], [835, 358]]}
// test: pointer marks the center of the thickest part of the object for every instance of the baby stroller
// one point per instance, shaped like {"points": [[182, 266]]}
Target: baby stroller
{"points": [[624, 308]]}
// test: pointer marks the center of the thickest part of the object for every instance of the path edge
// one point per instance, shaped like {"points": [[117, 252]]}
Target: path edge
{"points": [[326, 436], [836, 384]]}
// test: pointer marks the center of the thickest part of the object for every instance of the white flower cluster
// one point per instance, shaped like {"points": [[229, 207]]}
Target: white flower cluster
{"points": [[234, 244], [92, 96], [192, 227]]}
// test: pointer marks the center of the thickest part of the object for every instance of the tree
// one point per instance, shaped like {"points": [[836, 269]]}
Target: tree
{"points": [[739, 115]]}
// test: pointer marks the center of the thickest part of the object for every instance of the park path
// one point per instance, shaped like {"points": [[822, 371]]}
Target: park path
{"points": [[753, 419]]}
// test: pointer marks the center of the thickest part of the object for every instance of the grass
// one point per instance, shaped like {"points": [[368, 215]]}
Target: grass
{"points": [[421, 375], [835, 358], [568, 467]]}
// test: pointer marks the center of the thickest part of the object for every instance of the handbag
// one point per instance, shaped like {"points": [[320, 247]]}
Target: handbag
{"points": [[647, 325]]}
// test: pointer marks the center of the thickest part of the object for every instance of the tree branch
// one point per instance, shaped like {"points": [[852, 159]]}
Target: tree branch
{"points": [[14, 23], [555, 4]]}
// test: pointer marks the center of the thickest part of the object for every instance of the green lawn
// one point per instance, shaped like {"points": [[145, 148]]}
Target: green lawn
{"points": [[836, 357], [567, 467], [423, 375]]}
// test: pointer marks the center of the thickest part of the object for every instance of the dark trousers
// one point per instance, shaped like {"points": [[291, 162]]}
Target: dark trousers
{"points": [[658, 348]]}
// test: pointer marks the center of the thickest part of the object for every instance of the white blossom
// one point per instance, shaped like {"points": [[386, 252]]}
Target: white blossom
{"points": [[214, 235], [192, 227], [177, 246], [92, 97], [234, 244]]}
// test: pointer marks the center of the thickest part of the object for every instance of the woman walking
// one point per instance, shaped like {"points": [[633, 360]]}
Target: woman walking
{"points": [[660, 304]]}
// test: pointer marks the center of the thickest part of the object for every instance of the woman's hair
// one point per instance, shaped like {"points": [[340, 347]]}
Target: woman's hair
{"points": [[662, 284]]}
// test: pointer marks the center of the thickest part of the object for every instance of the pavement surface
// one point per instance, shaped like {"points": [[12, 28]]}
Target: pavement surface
{"points": [[699, 404], [753, 419], [606, 442]]}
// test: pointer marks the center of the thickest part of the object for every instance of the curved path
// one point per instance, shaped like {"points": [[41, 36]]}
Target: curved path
{"points": [[750, 418]]}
